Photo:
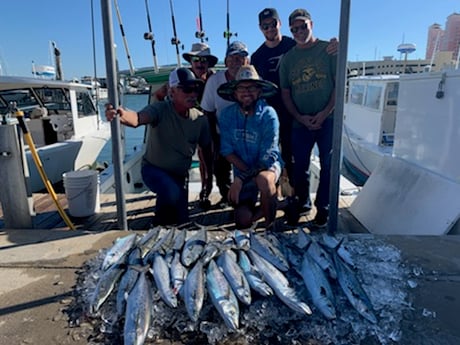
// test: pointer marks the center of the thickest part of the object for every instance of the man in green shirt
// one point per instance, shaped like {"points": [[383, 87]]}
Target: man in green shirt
{"points": [[307, 80]]}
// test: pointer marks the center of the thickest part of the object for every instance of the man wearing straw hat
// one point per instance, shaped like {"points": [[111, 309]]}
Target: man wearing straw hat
{"points": [[249, 131], [201, 60]]}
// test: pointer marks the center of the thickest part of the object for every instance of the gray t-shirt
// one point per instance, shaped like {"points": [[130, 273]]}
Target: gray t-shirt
{"points": [[172, 139]]}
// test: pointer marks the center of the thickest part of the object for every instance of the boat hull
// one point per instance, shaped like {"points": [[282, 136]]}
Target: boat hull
{"points": [[361, 157]]}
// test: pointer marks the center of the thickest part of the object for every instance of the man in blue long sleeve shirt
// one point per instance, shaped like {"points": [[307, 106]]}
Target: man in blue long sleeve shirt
{"points": [[249, 141]]}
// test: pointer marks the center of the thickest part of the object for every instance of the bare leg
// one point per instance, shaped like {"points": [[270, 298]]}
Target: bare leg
{"points": [[266, 184]]}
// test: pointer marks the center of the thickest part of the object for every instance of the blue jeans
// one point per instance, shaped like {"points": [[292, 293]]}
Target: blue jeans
{"points": [[171, 193], [303, 141]]}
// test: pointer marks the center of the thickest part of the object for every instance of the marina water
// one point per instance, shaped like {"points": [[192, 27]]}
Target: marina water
{"points": [[133, 136]]}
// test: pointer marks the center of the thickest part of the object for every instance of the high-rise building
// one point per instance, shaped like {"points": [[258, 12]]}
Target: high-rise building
{"points": [[451, 39], [447, 40], [435, 35]]}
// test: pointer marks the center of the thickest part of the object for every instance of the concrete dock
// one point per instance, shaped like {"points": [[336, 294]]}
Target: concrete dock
{"points": [[39, 269]]}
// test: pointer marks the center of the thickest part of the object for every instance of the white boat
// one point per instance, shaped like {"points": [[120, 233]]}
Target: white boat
{"points": [[369, 122], [97, 90], [63, 121], [414, 188]]}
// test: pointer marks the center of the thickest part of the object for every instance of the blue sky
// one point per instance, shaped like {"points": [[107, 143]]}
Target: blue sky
{"points": [[27, 27]]}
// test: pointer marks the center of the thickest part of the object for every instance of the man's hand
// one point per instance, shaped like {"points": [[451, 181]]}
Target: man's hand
{"points": [[110, 112], [333, 46]]}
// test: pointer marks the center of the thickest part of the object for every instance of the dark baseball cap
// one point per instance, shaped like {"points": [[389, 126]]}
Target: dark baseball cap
{"points": [[183, 77], [268, 13], [299, 14]]}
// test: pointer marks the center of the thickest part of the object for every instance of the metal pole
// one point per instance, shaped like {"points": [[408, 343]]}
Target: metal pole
{"points": [[13, 191], [112, 85], [338, 116]]}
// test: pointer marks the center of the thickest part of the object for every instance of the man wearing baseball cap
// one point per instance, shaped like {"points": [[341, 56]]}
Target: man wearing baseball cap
{"points": [[176, 128], [212, 105], [307, 80], [266, 60]]}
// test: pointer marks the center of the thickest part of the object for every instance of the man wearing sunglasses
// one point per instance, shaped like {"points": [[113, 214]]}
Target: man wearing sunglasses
{"points": [[237, 55], [307, 79], [266, 59], [201, 60], [176, 128], [249, 141]]}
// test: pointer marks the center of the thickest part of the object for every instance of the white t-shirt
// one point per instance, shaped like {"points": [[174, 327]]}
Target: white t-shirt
{"points": [[211, 101]]}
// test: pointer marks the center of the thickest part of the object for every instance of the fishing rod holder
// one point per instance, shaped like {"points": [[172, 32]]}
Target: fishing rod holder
{"points": [[228, 34], [200, 34], [149, 36]]}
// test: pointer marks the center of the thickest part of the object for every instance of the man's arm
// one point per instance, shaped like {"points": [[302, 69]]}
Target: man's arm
{"points": [[128, 118]]}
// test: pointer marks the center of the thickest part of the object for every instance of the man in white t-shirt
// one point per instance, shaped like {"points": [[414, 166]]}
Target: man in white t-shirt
{"points": [[212, 105]]}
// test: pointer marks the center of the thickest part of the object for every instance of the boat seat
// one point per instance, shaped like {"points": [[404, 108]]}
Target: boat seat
{"points": [[38, 113]]}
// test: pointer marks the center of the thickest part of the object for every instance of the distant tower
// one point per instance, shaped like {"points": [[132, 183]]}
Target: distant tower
{"points": [[435, 35], [406, 48], [451, 39]]}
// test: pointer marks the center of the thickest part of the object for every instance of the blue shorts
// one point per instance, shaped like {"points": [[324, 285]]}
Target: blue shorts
{"points": [[250, 193]]}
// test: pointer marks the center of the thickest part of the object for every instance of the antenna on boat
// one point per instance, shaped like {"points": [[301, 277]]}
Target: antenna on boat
{"points": [[150, 37], [228, 33], [131, 67], [57, 59], [175, 40], [199, 24]]}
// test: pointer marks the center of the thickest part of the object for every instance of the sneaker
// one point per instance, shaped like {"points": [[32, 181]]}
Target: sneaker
{"points": [[320, 220]]}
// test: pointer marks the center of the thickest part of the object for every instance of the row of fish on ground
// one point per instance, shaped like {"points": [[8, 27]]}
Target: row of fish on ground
{"points": [[187, 266]]}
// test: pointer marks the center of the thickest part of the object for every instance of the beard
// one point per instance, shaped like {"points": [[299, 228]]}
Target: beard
{"points": [[248, 107]]}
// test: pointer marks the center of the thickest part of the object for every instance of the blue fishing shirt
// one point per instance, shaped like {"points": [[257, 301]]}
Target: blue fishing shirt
{"points": [[253, 138]]}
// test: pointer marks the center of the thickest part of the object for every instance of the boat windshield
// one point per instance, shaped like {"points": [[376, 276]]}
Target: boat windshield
{"points": [[24, 98], [55, 100]]}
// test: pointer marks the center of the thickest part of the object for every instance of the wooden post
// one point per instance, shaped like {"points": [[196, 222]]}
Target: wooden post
{"points": [[13, 191]]}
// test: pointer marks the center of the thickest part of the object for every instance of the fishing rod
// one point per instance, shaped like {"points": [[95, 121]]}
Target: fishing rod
{"points": [[125, 43], [175, 41], [200, 32], [150, 37], [228, 33]]}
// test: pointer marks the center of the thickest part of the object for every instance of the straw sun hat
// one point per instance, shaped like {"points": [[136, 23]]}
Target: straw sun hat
{"points": [[202, 50], [247, 73]]}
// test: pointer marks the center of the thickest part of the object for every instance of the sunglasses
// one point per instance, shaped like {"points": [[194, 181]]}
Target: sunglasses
{"points": [[294, 29], [271, 25], [189, 89], [252, 88], [199, 59]]}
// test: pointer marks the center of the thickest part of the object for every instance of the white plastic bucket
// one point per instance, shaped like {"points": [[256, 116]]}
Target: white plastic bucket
{"points": [[82, 188]]}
